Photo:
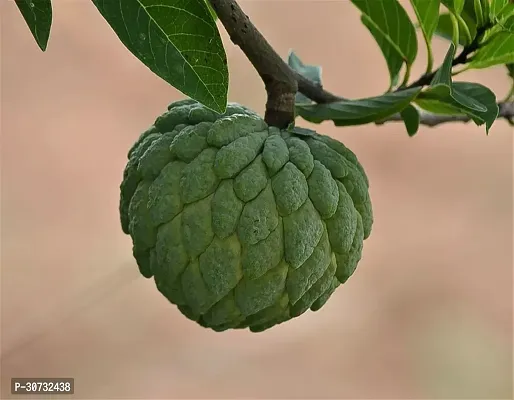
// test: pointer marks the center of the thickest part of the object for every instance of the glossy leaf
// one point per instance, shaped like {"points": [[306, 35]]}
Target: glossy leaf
{"points": [[211, 10], [499, 50], [427, 12], [497, 6], [441, 85], [478, 11], [443, 75], [38, 16], [506, 12], [445, 29], [469, 10], [410, 118], [438, 103], [437, 106], [176, 39], [394, 24], [393, 58], [463, 10], [455, 6], [358, 112], [470, 16], [486, 9], [312, 72]]}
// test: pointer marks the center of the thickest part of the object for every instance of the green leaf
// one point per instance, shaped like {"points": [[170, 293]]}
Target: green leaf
{"points": [[311, 72], [440, 104], [393, 58], [469, 16], [455, 6], [445, 29], [500, 25], [427, 12], [38, 16], [497, 6], [443, 75], [478, 12], [486, 9], [211, 10], [176, 39], [358, 112], [469, 10], [441, 85], [394, 24], [410, 117], [506, 12], [499, 50], [460, 9]]}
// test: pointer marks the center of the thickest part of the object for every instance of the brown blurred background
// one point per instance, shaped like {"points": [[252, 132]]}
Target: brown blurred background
{"points": [[428, 314]]}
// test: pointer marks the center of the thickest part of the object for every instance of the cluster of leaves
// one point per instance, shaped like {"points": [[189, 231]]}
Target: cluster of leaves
{"points": [[179, 41], [483, 29]]}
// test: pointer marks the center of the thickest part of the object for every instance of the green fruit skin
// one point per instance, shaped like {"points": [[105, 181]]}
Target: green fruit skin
{"points": [[242, 225]]}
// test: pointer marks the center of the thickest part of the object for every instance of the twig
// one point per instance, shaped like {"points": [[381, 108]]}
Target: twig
{"points": [[280, 80], [506, 111]]}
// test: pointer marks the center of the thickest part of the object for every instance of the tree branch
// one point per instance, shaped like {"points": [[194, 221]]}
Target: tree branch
{"points": [[282, 82], [279, 80], [428, 119]]}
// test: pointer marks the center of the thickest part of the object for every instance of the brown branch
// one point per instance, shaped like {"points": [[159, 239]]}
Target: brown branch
{"points": [[279, 80], [428, 119]]}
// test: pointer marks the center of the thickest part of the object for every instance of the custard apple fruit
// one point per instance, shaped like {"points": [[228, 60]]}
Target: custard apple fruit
{"points": [[242, 225]]}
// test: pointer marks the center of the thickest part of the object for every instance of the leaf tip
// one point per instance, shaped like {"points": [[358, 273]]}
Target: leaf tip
{"points": [[292, 57], [220, 108], [42, 45]]}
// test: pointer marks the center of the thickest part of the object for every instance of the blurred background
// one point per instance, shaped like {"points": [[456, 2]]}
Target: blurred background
{"points": [[428, 313]]}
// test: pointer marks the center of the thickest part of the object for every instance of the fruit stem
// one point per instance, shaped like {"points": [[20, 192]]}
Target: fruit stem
{"points": [[279, 80]]}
